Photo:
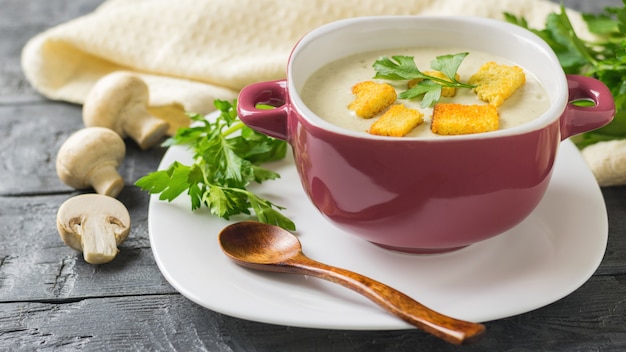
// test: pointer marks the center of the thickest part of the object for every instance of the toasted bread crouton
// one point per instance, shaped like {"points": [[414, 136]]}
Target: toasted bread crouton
{"points": [[397, 121], [371, 98], [496, 82], [445, 91], [453, 119]]}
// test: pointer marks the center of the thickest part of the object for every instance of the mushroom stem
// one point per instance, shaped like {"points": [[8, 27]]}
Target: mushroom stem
{"points": [[106, 180], [98, 239], [145, 129]]}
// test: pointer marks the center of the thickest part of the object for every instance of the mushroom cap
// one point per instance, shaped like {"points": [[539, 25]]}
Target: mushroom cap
{"points": [[119, 101], [86, 151], [75, 211], [113, 99]]}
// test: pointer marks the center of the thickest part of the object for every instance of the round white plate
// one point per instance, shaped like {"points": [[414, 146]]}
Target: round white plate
{"points": [[552, 253]]}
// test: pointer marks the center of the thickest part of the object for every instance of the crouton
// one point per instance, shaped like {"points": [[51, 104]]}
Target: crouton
{"points": [[371, 98], [454, 119], [397, 121], [496, 82], [445, 91]]}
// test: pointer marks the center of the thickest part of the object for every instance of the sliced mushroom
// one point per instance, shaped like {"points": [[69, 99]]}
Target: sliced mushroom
{"points": [[95, 225], [90, 157], [119, 101]]}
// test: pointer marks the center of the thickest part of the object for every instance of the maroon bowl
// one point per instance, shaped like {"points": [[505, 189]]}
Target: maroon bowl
{"points": [[425, 195]]}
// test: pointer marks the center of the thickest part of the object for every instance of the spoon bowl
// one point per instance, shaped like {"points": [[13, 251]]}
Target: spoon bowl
{"points": [[270, 248], [253, 244]]}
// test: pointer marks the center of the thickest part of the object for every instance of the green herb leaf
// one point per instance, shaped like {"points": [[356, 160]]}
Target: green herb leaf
{"points": [[448, 64], [227, 157], [419, 89], [432, 96], [604, 59], [397, 68], [601, 24], [267, 212], [403, 68]]}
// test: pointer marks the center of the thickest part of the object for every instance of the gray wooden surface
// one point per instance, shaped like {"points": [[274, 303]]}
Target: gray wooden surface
{"points": [[51, 300]]}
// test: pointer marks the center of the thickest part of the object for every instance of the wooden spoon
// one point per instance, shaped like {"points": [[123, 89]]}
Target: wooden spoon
{"points": [[270, 248]]}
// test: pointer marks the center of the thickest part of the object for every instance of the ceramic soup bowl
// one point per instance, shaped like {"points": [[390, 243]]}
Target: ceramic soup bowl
{"points": [[424, 195]]}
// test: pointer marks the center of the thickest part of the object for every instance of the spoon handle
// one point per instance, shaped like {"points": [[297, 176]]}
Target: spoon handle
{"points": [[445, 327]]}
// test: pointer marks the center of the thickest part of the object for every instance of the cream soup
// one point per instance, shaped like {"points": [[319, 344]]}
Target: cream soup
{"points": [[328, 91]]}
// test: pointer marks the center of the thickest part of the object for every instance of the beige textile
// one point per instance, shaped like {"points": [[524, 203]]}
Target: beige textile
{"points": [[191, 52]]}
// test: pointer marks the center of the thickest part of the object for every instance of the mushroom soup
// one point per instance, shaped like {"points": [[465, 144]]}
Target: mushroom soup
{"points": [[328, 92]]}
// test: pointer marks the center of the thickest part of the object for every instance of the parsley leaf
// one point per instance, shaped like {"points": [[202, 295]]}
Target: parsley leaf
{"points": [[603, 58], [448, 64], [225, 163], [403, 68]]}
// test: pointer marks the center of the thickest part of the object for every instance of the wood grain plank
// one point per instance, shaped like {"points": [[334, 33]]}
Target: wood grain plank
{"points": [[30, 137], [614, 261], [587, 6], [35, 265], [173, 323]]}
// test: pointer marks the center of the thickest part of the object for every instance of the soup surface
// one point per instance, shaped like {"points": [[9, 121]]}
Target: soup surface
{"points": [[328, 91]]}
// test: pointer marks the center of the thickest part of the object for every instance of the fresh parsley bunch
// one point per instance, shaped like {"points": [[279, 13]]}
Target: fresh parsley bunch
{"points": [[225, 163], [603, 58], [403, 68]]}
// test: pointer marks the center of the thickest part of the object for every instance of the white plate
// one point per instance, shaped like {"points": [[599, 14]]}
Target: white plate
{"points": [[552, 253]]}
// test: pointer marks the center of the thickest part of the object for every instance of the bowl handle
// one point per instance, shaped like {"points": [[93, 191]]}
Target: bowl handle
{"points": [[579, 119], [272, 122]]}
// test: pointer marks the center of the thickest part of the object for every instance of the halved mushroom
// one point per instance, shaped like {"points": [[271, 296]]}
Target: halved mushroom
{"points": [[90, 157], [94, 224], [119, 101]]}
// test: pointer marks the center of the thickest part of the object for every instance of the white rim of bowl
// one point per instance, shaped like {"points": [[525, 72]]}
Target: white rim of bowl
{"points": [[551, 115]]}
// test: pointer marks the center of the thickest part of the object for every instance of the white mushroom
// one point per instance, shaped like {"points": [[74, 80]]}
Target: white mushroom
{"points": [[95, 225], [607, 160], [90, 157], [119, 101]]}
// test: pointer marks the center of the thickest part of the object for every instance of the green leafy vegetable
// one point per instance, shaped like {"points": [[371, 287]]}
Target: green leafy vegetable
{"points": [[404, 68], [603, 58], [225, 163]]}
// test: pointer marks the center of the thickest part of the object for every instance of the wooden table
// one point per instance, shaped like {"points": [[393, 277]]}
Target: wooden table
{"points": [[51, 300]]}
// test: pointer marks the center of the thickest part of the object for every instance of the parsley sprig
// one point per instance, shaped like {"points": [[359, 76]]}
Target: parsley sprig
{"points": [[227, 156], [402, 67], [603, 58]]}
